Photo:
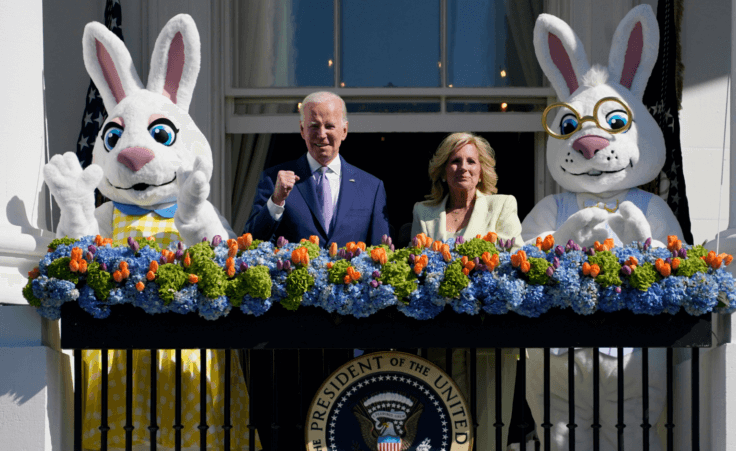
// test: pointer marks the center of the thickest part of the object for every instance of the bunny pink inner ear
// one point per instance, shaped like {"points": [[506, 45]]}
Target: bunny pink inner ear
{"points": [[633, 55], [562, 61], [109, 72], [174, 67]]}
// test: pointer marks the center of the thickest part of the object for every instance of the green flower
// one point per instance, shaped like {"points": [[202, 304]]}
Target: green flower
{"points": [[399, 275], [312, 249], [644, 276], [537, 274], [59, 241], [475, 248], [59, 269], [212, 278], [28, 294], [170, 278], [255, 282], [100, 281], [610, 268], [455, 280], [297, 283], [337, 273], [690, 265], [696, 252]]}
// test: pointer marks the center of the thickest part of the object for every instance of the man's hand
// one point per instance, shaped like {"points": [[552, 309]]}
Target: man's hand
{"points": [[285, 181]]}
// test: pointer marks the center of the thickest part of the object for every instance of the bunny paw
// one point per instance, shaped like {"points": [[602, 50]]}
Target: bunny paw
{"points": [[584, 227], [630, 223]]}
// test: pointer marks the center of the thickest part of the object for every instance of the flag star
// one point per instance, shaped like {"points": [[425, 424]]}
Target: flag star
{"points": [[431, 397], [444, 422], [92, 94], [444, 429], [114, 23], [380, 378], [87, 119], [83, 142], [444, 436], [401, 379], [676, 198], [373, 379], [396, 378]]}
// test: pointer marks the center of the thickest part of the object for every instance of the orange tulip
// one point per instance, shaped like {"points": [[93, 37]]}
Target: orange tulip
{"points": [[665, 270], [140, 286], [230, 271], [728, 259], [193, 278], [82, 266], [333, 249], [347, 279], [446, 255], [525, 266], [76, 253], [153, 267], [98, 240], [34, 273], [232, 251], [464, 260], [123, 265], [466, 271], [586, 268], [117, 276], [187, 260], [150, 275], [491, 236], [329, 265], [675, 263], [538, 243], [594, 270], [548, 243], [437, 246], [73, 265], [609, 242], [470, 266], [125, 273]]}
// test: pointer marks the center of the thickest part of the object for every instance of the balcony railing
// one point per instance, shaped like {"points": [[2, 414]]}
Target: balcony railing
{"points": [[130, 328]]}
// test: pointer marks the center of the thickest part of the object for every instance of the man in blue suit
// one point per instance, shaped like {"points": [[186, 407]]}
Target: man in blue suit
{"points": [[320, 193]]}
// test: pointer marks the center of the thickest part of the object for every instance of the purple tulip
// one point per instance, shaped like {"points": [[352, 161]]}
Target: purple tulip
{"points": [[415, 242], [162, 260], [481, 267], [683, 253], [379, 283], [384, 239], [374, 283], [349, 255], [647, 243], [568, 248], [556, 262], [585, 249], [281, 242], [287, 265], [591, 251], [669, 260], [216, 240], [412, 259], [391, 247], [103, 266], [617, 290], [459, 240], [92, 249], [243, 266], [133, 244], [180, 246], [511, 242], [550, 271], [476, 260], [204, 239], [626, 270], [358, 251], [179, 254], [279, 265], [376, 274], [559, 250]]}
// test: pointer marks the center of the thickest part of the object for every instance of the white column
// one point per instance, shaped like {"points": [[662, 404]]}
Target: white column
{"points": [[34, 374]]}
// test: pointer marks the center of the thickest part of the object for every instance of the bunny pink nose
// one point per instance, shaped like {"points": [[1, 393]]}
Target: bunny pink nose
{"points": [[134, 158], [590, 144]]}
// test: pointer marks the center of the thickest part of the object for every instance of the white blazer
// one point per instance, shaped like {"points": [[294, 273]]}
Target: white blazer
{"points": [[491, 213]]}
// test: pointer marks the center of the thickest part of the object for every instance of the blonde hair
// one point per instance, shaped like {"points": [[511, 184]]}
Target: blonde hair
{"points": [[438, 163]]}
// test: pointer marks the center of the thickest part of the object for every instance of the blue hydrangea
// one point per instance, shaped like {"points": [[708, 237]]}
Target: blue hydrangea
{"points": [[702, 291], [611, 301], [727, 285], [89, 303], [149, 300], [255, 306], [674, 293], [185, 300], [467, 302], [211, 309], [421, 306], [646, 302], [533, 304], [586, 301]]}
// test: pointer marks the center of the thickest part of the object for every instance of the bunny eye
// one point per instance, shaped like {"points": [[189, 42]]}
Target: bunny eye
{"points": [[568, 125], [111, 135], [163, 131], [617, 121]]}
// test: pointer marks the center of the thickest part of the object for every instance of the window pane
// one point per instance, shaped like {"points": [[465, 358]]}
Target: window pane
{"points": [[490, 43], [284, 44], [388, 43]]}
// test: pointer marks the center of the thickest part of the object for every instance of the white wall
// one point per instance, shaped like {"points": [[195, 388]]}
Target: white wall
{"points": [[706, 54]]}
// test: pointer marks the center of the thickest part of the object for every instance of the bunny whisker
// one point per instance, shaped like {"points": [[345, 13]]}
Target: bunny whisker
{"points": [[142, 186], [595, 173]]}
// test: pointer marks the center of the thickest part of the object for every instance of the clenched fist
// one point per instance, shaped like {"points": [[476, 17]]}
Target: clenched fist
{"points": [[285, 181]]}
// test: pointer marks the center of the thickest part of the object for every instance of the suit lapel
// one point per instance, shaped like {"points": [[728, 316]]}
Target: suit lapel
{"points": [[348, 194], [308, 189]]}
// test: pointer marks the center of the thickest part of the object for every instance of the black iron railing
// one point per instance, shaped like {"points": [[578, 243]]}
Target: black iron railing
{"points": [[310, 332]]}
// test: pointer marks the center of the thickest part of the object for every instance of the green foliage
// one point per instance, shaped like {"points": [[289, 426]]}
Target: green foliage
{"points": [[312, 249], [100, 281], [402, 255], [59, 269], [212, 278], [255, 282], [337, 273], [28, 294], [59, 241], [644, 276], [475, 248], [696, 252], [690, 265], [170, 278], [455, 280], [399, 275], [254, 244], [537, 274], [297, 283], [610, 268]]}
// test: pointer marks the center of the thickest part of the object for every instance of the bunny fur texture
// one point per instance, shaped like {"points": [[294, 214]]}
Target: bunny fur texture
{"points": [[150, 153], [602, 168]]}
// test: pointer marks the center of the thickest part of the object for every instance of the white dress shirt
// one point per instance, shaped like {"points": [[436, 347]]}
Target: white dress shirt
{"points": [[334, 174]]}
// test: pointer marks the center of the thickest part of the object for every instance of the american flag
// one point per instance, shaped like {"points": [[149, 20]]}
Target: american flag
{"points": [[94, 111], [389, 443]]}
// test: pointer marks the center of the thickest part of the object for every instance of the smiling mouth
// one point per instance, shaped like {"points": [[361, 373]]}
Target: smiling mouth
{"points": [[594, 173], [142, 186]]}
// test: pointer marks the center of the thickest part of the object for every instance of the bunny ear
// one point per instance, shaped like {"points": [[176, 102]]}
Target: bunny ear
{"points": [[560, 53], [109, 64], [634, 49], [175, 61]]}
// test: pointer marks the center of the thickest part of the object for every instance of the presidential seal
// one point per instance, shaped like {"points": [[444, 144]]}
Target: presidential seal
{"points": [[389, 401]]}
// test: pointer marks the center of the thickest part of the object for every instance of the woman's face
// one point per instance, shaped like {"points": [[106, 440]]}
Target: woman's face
{"points": [[463, 169]]}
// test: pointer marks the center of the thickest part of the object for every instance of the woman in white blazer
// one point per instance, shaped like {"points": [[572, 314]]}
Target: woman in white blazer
{"points": [[463, 202]]}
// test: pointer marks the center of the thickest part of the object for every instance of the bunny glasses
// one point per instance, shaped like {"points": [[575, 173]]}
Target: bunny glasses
{"points": [[609, 114]]}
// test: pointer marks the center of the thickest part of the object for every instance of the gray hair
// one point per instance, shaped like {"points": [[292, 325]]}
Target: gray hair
{"points": [[319, 97]]}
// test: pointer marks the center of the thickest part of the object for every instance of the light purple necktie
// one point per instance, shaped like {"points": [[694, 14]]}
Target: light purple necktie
{"points": [[324, 193]]}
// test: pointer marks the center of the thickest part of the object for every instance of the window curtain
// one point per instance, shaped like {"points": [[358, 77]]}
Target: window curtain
{"points": [[265, 43], [521, 16]]}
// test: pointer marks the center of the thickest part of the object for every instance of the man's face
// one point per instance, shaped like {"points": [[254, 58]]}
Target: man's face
{"points": [[323, 129]]}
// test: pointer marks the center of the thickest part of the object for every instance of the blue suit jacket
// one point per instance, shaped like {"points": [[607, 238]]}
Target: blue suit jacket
{"points": [[361, 213]]}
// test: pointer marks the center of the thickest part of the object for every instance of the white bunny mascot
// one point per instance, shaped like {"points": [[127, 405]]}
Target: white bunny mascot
{"points": [[603, 143], [150, 159], [155, 165]]}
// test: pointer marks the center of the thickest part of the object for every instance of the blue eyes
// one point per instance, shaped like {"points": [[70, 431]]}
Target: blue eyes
{"points": [[111, 136], [568, 125], [617, 121], [163, 131]]}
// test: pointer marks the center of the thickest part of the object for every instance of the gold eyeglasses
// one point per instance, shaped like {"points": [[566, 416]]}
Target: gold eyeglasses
{"points": [[609, 114]]}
